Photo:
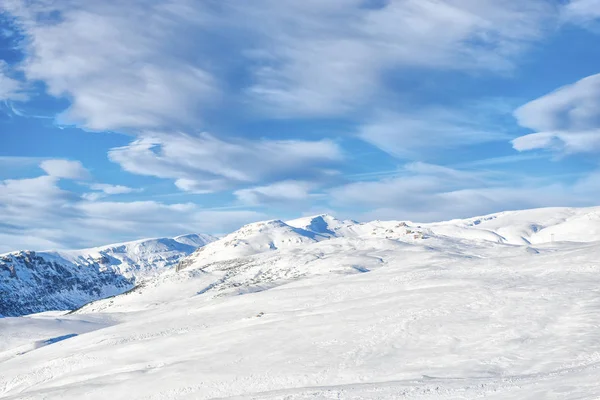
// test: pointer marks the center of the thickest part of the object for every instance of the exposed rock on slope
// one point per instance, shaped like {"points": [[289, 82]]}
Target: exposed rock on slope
{"points": [[33, 282], [30, 283]]}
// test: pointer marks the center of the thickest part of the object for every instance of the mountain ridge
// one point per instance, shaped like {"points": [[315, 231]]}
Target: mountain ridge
{"points": [[33, 281], [266, 254], [69, 279]]}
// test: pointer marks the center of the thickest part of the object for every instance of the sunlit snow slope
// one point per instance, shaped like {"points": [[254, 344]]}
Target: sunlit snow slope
{"points": [[504, 306]]}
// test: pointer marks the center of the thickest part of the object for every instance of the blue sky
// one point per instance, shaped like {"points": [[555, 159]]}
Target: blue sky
{"points": [[121, 120]]}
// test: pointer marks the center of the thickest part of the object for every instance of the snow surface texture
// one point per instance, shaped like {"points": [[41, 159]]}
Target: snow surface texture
{"points": [[501, 307], [40, 281]]}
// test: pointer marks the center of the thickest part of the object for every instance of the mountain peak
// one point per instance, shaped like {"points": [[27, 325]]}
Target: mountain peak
{"points": [[261, 225], [322, 224]]}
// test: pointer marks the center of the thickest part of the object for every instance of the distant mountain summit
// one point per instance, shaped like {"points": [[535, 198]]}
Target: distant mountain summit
{"points": [[255, 238], [32, 281], [325, 224]]}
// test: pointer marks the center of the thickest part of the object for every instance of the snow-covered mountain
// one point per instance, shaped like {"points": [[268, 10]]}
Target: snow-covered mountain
{"points": [[58, 280], [252, 239], [267, 254], [140, 259], [529, 226], [325, 225], [503, 306]]}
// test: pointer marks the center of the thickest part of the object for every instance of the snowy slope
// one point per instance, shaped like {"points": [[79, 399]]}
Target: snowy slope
{"points": [[499, 323], [112, 269], [528, 226], [320, 308], [263, 271], [252, 239], [267, 254], [39, 281]]}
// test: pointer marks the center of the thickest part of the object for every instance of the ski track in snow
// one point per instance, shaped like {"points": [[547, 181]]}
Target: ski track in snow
{"points": [[478, 308]]}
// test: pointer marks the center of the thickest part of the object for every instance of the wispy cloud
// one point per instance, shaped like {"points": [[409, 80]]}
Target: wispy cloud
{"points": [[278, 192], [16, 161], [37, 214], [104, 189], [155, 64], [65, 169], [10, 88], [124, 65], [203, 163], [582, 12], [566, 120], [426, 192], [330, 57], [426, 131]]}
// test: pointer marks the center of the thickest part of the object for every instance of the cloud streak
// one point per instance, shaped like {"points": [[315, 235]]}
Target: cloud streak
{"points": [[153, 64], [330, 57], [430, 130], [123, 65], [426, 192], [566, 120], [10, 88], [279, 192], [65, 169], [38, 215], [203, 163]]}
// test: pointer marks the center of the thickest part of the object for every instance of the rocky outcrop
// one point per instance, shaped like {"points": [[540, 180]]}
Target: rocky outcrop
{"points": [[30, 283], [33, 282]]}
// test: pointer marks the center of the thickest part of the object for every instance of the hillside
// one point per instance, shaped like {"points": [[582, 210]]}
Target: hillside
{"points": [[322, 308], [41, 281]]}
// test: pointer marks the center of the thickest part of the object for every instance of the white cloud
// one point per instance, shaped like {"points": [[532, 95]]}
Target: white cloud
{"points": [[162, 65], [37, 214], [411, 188], [151, 217], [567, 119], [123, 65], [429, 130], [14, 163], [284, 191], [561, 141], [153, 64], [104, 189], [112, 189], [65, 169], [203, 163], [330, 57], [425, 192], [33, 208], [582, 12], [573, 107], [10, 89]]}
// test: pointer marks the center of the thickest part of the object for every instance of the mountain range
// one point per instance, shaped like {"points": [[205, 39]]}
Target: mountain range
{"points": [[32, 282], [314, 307]]}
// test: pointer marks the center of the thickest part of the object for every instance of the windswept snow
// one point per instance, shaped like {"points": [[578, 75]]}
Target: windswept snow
{"points": [[502, 307]]}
